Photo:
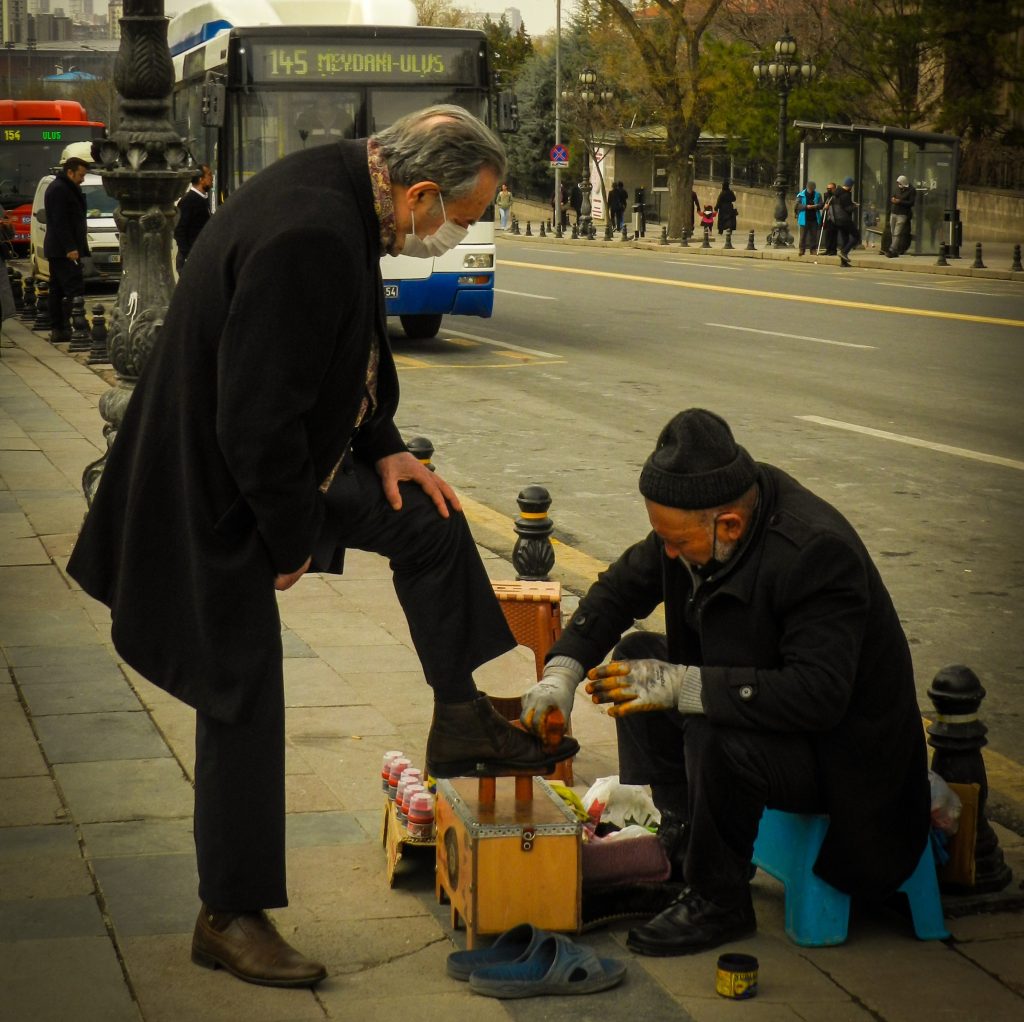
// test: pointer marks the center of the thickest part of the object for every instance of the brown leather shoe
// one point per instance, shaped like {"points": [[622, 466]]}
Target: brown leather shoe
{"points": [[247, 945], [473, 740]]}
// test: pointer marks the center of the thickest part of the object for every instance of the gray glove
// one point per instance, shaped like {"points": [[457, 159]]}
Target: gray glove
{"points": [[636, 686], [555, 691]]}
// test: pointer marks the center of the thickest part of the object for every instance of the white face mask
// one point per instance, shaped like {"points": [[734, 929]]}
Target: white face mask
{"points": [[444, 239]]}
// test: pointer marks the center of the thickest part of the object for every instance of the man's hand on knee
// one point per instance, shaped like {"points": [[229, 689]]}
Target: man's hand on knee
{"points": [[547, 705], [639, 686], [403, 467]]}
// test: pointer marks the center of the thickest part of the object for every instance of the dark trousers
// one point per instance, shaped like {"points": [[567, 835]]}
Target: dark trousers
{"points": [[456, 625], [849, 238], [66, 281], [808, 237], [719, 778], [828, 238]]}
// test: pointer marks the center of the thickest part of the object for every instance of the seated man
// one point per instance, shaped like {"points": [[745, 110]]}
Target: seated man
{"points": [[784, 680]]}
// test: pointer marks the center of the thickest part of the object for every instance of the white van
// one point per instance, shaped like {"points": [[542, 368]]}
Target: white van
{"points": [[104, 239]]}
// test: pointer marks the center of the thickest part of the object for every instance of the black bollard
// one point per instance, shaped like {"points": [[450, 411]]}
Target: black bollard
{"points": [[728, 238], [1016, 267], [28, 300], [422, 449], [977, 264], [608, 230], [575, 231], [80, 337], [706, 243], [515, 225], [16, 289], [958, 736], [684, 238], [533, 556], [98, 353], [542, 232], [750, 242], [559, 233], [42, 320], [943, 249], [529, 233], [663, 240]]}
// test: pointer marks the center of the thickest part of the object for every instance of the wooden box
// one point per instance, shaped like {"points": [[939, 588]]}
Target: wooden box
{"points": [[509, 861]]}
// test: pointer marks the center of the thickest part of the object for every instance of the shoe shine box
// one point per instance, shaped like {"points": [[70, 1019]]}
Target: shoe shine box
{"points": [[509, 861]]}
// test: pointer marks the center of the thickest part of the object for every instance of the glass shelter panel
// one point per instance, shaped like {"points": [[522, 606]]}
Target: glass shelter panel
{"points": [[933, 179], [872, 190]]}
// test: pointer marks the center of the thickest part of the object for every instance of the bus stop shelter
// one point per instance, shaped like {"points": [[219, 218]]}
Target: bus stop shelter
{"points": [[874, 156]]}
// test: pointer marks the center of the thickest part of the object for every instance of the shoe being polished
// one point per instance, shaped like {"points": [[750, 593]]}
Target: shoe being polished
{"points": [[473, 740], [691, 924], [247, 945]]}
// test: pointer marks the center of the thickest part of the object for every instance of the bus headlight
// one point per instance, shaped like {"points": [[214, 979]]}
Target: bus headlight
{"points": [[478, 260]]}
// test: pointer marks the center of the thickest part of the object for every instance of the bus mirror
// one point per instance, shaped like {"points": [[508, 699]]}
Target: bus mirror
{"points": [[213, 105], [508, 111]]}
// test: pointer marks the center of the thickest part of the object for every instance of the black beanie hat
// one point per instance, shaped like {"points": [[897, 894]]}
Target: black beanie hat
{"points": [[697, 464]]}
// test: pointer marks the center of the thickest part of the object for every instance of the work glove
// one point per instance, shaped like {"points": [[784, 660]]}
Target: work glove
{"points": [[547, 705], [639, 686]]}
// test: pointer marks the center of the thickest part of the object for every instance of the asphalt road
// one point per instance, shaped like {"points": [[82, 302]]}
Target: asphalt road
{"points": [[897, 397]]}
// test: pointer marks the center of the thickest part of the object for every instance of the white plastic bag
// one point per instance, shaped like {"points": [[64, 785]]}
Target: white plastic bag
{"points": [[623, 805], [946, 805]]}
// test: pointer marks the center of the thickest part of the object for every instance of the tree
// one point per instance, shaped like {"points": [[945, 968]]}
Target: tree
{"points": [[442, 14], [668, 38], [509, 50], [528, 147]]}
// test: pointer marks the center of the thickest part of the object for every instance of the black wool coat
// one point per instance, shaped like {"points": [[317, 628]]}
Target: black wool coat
{"points": [[65, 218], [247, 403], [193, 215], [798, 636]]}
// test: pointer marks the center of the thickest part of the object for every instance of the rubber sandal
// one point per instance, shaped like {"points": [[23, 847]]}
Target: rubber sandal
{"points": [[556, 967], [513, 945]]}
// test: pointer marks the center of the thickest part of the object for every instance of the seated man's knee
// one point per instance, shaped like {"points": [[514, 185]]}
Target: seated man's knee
{"points": [[641, 646]]}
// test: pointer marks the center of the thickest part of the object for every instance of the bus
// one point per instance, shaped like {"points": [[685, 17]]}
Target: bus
{"points": [[256, 80], [33, 133]]}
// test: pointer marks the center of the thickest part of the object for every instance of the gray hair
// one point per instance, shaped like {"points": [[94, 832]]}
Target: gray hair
{"points": [[451, 151]]}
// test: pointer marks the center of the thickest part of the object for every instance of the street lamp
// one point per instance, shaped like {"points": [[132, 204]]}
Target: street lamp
{"points": [[783, 73], [585, 95]]}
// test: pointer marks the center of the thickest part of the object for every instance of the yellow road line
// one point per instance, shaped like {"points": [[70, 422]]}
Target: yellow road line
{"points": [[839, 303]]}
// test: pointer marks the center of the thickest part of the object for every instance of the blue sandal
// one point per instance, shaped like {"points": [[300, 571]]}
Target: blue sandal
{"points": [[556, 966], [513, 945]]}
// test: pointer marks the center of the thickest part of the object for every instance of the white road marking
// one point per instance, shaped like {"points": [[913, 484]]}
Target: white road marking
{"points": [[526, 294], [955, 289], [455, 334], [795, 337], [881, 434], [702, 266]]}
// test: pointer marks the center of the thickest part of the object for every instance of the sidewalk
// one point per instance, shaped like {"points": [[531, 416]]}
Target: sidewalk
{"points": [[97, 871]]}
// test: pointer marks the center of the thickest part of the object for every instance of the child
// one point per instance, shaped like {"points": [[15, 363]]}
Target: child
{"points": [[707, 218]]}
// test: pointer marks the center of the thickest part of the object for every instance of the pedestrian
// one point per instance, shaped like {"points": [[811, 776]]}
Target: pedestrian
{"points": [[725, 206], [618, 198], [66, 243], [828, 220], [193, 214], [260, 442], [808, 216], [784, 679], [8, 308], [899, 219], [504, 204], [707, 218], [698, 209], [576, 200], [845, 211]]}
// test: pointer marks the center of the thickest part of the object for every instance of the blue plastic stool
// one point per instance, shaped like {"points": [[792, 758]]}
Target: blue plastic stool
{"points": [[817, 915]]}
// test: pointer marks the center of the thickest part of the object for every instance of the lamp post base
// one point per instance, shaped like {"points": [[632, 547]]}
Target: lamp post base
{"points": [[779, 236]]}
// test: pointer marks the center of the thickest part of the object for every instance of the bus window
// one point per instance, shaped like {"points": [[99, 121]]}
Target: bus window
{"points": [[326, 117], [387, 105]]}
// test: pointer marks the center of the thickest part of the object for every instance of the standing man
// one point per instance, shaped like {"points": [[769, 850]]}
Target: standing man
{"points": [[259, 443], [66, 243], [845, 211], [784, 679], [828, 220], [899, 219], [808, 216], [193, 214]]}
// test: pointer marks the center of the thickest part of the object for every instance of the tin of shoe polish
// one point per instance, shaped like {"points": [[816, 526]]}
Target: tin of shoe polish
{"points": [[736, 976]]}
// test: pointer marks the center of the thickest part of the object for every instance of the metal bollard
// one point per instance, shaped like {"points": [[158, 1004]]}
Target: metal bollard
{"points": [[529, 233], [542, 232], [750, 242], [515, 224], [98, 353], [943, 249], [42, 319], [958, 736], [664, 236], [728, 238], [684, 238], [706, 243], [533, 556], [977, 264], [422, 450], [608, 230], [575, 232], [16, 289], [80, 338], [28, 300], [1015, 266], [559, 233]]}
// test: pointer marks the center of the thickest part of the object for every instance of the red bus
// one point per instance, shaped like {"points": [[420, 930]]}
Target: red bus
{"points": [[33, 133]]}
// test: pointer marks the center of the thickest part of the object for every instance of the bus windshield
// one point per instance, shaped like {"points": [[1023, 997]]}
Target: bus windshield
{"points": [[272, 123]]}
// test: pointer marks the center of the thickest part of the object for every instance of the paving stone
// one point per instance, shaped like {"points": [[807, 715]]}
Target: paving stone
{"points": [[20, 755], [349, 661], [26, 801], [458, 1003], [54, 511], [43, 918], [77, 738], [136, 838], [30, 470], [149, 894], [311, 682], [125, 790], [294, 647], [102, 694], [308, 830], [41, 862], [306, 793], [314, 724], [42, 978], [82, 661], [1002, 958]]}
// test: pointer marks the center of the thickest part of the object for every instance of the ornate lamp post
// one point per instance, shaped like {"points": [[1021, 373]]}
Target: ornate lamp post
{"points": [[585, 95], [783, 73], [144, 168]]}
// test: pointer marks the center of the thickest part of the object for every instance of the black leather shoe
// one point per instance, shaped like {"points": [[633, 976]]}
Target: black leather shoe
{"points": [[674, 835], [691, 924], [247, 945], [474, 740]]}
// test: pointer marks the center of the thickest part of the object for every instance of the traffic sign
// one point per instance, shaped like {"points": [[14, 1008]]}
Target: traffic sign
{"points": [[559, 156]]}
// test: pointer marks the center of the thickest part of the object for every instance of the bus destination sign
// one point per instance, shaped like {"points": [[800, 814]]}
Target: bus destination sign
{"points": [[363, 62], [29, 133]]}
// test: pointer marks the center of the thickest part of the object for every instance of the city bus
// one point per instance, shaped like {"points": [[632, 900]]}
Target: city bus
{"points": [[258, 79], [33, 133]]}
